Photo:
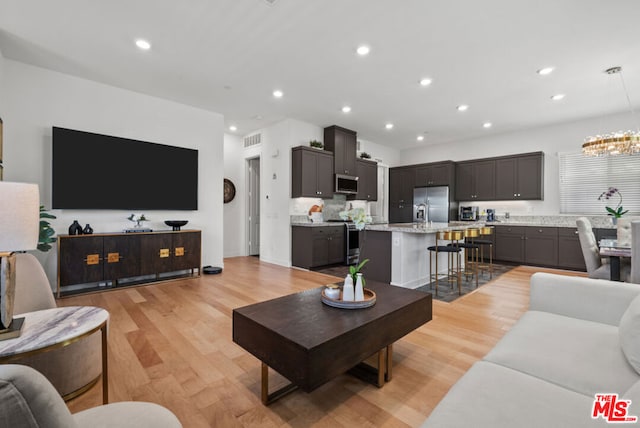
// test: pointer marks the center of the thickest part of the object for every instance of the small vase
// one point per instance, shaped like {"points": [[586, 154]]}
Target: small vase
{"points": [[359, 290], [88, 230], [347, 289], [614, 220], [75, 228]]}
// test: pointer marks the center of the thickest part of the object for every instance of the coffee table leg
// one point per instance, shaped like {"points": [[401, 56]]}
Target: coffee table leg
{"points": [[381, 367], [276, 395], [389, 366]]}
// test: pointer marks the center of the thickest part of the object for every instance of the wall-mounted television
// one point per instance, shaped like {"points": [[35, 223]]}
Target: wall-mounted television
{"points": [[94, 171]]}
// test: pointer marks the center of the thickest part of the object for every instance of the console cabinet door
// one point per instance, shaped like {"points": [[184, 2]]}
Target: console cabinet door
{"points": [[122, 256], [156, 253], [81, 260], [186, 250]]}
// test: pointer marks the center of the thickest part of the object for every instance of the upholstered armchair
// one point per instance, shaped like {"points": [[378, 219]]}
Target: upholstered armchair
{"points": [[28, 400], [635, 252], [71, 369]]}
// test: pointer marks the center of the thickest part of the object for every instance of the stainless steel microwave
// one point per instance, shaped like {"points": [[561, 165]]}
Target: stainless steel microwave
{"points": [[346, 184]]}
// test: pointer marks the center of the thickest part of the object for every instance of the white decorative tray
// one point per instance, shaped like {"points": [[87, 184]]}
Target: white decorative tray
{"points": [[369, 300]]}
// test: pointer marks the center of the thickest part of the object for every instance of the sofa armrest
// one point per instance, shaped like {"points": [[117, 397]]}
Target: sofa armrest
{"points": [[583, 298]]}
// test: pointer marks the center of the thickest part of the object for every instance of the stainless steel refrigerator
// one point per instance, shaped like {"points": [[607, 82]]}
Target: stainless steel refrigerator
{"points": [[431, 204]]}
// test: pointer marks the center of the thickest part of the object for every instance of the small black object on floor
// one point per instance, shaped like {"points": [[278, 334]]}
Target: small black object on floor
{"points": [[211, 270]]}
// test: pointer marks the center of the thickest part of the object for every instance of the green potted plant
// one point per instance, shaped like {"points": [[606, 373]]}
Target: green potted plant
{"points": [[365, 155], [354, 270], [45, 237], [316, 144]]}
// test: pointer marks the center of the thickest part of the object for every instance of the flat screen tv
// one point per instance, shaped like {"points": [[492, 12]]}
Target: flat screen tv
{"points": [[94, 171]]}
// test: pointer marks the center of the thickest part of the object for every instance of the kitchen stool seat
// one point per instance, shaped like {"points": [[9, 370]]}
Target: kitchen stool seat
{"points": [[453, 269]]}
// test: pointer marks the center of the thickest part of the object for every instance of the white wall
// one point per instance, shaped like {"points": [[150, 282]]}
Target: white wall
{"points": [[235, 211], [565, 137], [37, 99]]}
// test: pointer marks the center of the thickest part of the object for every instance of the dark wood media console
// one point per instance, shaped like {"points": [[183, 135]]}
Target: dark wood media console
{"points": [[100, 262]]}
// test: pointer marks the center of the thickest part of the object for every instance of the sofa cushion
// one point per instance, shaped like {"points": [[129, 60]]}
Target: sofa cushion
{"points": [[630, 333], [489, 395], [582, 356]]}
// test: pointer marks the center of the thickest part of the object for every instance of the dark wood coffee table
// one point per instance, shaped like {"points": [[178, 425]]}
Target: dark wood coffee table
{"points": [[310, 343]]}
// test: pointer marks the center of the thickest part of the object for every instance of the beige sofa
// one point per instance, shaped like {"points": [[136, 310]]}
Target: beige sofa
{"points": [[580, 337]]}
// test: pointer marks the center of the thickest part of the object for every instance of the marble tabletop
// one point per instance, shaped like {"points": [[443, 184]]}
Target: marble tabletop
{"points": [[50, 327]]}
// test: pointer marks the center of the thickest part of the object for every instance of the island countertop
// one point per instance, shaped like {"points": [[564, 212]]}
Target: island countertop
{"points": [[422, 227]]}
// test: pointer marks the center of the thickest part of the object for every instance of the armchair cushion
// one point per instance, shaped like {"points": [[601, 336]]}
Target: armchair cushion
{"points": [[629, 331]]}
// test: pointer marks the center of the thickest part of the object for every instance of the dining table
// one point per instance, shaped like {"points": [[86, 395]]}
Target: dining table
{"points": [[610, 248]]}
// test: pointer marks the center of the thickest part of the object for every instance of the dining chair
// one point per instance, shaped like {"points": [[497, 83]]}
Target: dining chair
{"points": [[635, 252], [624, 230], [591, 252]]}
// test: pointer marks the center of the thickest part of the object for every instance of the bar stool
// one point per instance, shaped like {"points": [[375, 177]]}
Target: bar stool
{"points": [[471, 253], [485, 231], [453, 273]]}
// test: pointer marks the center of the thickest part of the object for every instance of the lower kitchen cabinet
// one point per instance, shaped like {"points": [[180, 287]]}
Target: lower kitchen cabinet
{"points": [[539, 246], [317, 246], [569, 250]]}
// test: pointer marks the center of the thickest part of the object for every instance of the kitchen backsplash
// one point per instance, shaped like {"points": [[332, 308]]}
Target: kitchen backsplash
{"points": [[299, 207]]}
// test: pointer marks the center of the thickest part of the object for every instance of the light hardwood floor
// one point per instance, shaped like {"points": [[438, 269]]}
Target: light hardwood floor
{"points": [[170, 343]]}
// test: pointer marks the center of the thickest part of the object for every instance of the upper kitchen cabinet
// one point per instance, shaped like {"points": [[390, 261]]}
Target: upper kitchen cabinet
{"points": [[401, 184], [311, 173], [436, 174], [367, 172], [343, 143], [520, 177], [476, 180]]}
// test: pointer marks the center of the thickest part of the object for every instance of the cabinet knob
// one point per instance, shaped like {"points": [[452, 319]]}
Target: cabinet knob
{"points": [[514, 195], [518, 194]]}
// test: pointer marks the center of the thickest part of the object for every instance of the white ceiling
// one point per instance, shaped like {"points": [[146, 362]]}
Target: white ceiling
{"points": [[228, 56]]}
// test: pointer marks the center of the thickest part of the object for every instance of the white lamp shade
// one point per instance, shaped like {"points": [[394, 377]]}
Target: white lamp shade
{"points": [[19, 216]]}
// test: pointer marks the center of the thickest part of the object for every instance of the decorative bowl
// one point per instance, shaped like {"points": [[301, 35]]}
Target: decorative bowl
{"points": [[176, 224]]}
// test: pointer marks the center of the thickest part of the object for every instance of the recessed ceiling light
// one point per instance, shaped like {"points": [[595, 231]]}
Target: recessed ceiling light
{"points": [[420, 137], [557, 97], [487, 125], [545, 71], [346, 109], [363, 50], [143, 44], [389, 126], [278, 93], [463, 107], [233, 128], [426, 81]]}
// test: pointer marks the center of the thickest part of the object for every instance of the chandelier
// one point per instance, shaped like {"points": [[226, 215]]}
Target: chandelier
{"points": [[615, 143]]}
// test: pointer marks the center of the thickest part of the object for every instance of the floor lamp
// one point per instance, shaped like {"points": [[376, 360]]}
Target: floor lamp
{"points": [[19, 229]]}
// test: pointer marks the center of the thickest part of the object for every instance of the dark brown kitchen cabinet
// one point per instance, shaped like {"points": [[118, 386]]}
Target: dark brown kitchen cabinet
{"points": [[527, 244], [569, 250], [401, 184], [311, 173], [476, 180], [367, 173], [88, 263], [541, 246], [520, 177], [435, 174], [509, 243], [344, 144], [317, 246]]}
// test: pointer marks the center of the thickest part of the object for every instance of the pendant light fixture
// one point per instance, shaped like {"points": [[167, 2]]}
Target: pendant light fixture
{"points": [[615, 143]]}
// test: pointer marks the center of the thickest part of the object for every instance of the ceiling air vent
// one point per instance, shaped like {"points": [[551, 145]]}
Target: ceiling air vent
{"points": [[252, 140], [270, 2]]}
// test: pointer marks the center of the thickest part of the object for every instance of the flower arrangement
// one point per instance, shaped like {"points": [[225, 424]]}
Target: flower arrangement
{"points": [[137, 220], [355, 270], [317, 144], [608, 194], [357, 215]]}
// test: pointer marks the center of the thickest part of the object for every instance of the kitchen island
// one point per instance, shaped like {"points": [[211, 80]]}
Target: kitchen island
{"points": [[398, 252]]}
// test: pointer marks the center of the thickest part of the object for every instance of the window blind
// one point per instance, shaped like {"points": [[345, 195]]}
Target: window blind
{"points": [[584, 178]]}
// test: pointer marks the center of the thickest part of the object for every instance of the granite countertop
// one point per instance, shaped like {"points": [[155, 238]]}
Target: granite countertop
{"points": [[421, 227]]}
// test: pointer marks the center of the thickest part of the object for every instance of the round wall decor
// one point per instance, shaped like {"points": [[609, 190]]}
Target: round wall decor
{"points": [[229, 191]]}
